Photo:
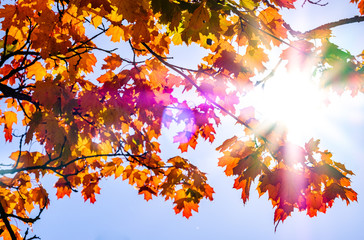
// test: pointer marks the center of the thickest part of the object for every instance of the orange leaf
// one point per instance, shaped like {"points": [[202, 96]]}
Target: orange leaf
{"points": [[188, 206], [112, 62], [148, 192], [226, 144], [209, 191], [9, 118], [36, 70], [62, 188], [200, 17]]}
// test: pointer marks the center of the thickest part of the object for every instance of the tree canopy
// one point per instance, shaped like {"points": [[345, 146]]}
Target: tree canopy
{"points": [[90, 118]]}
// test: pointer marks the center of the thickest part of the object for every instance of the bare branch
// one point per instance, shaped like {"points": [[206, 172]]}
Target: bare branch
{"points": [[318, 2]]}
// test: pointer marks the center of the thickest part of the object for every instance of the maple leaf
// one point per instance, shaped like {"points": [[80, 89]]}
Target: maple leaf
{"points": [[247, 114], [334, 190], [209, 191], [9, 118], [314, 203], [112, 62], [331, 172], [89, 191], [226, 144], [312, 145], [92, 125], [36, 70], [343, 168], [255, 58], [228, 60], [46, 93], [148, 192], [141, 31], [199, 17], [291, 154], [360, 5], [185, 139], [273, 22], [297, 59], [285, 3], [188, 206], [116, 33], [63, 188]]}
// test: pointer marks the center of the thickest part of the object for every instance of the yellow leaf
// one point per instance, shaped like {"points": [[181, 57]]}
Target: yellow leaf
{"points": [[36, 70], [326, 157], [115, 32], [119, 170], [177, 38], [96, 21], [317, 33], [249, 4], [255, 57]]}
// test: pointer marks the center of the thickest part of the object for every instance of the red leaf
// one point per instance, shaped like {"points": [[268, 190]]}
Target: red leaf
{"points": [[285, 3], [62, 188], [89, 191]]}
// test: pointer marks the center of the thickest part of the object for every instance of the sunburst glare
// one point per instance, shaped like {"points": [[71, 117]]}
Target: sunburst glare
{"points": [[293, 99]]}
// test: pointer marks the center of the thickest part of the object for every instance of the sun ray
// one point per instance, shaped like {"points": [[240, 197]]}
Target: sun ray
{"points": [[293, 99]]}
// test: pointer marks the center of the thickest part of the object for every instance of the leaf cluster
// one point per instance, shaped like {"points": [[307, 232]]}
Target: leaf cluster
{"points": [[97, 118]]}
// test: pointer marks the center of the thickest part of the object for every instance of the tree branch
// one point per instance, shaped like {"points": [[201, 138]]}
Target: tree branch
{"points": [[5, 219], [196, 86], [355, 19], [318, 2], [11, 92], [31, 220], [338, 23], [16, 70]]}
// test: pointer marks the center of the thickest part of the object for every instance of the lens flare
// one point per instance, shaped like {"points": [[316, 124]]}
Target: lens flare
{"points": [[293, 99]]}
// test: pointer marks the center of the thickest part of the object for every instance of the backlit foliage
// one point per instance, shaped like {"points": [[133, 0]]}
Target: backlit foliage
{"points": [[94, 123]]}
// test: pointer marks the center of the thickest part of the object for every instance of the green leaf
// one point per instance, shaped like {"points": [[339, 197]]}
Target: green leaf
{"points": [[249, 4], [332, 53]]}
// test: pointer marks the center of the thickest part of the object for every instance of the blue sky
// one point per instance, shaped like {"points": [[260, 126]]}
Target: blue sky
{"points": [[120, 213]]}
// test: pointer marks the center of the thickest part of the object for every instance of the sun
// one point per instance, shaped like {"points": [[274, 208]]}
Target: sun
{"points": [[292, 98]]}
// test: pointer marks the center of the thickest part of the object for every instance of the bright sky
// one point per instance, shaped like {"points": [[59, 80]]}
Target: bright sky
{"points": [[120, 213]]}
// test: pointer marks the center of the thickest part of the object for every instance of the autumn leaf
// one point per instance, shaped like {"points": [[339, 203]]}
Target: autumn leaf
{"points": [[298, 59], [335, 190], [62, 188], [36, 70], [199, 17], [147, 191], [273, 21], [249, 4], [9, 118], [87, 124], [255, 58], [285, 3], [329, 171], [247, 114], [226, 144], [89, 191], [360, 5], [112, 62], [343, 168]]}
